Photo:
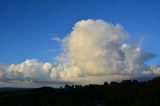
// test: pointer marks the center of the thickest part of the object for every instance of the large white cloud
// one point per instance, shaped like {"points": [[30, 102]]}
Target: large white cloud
{"points": [[97, 48], [94, 52]]}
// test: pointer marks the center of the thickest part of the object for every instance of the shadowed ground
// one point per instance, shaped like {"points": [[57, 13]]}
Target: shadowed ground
{"points": [[125, 93]]}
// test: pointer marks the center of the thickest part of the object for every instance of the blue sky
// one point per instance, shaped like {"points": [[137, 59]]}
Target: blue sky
{"points": [[27, 26]]}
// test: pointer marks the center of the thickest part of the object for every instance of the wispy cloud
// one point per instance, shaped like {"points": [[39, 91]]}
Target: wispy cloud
{"points": [[57, 39]]}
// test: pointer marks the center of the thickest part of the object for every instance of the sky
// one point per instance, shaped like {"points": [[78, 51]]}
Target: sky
{"points": [[34, 31]]}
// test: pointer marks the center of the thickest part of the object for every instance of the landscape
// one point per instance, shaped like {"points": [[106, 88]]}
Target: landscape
{"points": [[125, 93], [79, 53]]}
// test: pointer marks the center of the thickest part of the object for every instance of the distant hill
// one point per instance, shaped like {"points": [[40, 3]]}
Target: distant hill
{"points": [[125, 93]]}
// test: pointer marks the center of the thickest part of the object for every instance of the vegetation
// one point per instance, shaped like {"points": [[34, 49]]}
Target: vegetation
{"points": [[125, 93]]}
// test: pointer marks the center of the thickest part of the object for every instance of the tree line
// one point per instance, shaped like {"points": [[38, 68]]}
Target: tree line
{"points": [[125, 93]]}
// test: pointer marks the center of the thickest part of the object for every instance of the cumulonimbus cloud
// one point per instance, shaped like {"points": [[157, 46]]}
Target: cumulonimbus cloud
{"points": [[95, 51]]}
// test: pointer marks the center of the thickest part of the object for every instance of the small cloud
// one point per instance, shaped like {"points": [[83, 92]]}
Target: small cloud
{"points": [[57, 39], [54, 50]]}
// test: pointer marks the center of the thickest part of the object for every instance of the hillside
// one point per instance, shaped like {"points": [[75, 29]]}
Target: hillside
{"points": [[125, 93]]}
